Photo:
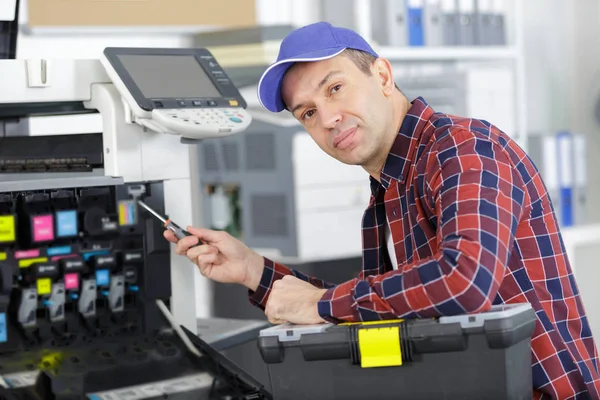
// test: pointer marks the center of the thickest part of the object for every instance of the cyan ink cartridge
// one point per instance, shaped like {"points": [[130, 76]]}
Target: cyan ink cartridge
{"points": [[64, 204]]}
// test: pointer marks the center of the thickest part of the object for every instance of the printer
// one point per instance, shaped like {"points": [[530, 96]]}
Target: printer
{"points": [[93, 302]]}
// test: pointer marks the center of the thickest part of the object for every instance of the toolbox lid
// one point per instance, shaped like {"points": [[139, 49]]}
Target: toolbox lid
{"points": [[497, 318], [400, 340], [291, 332], [497, 312]]}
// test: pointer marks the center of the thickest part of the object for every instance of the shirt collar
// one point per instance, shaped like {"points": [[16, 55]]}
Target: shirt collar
{"points": [[403, 150]]}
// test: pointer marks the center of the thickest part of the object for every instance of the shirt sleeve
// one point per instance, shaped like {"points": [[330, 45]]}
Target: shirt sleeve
{"points": [[477, 197], [273, 271]]}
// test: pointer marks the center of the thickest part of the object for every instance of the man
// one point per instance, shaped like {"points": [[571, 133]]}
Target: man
{"points": [[459, 218]]}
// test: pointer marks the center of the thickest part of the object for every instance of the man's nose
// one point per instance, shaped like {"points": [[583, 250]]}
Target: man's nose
{"points": [[330, 117]]}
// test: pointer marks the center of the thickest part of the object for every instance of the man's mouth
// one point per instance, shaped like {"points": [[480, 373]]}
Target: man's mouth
{"points": [[340, 139]]}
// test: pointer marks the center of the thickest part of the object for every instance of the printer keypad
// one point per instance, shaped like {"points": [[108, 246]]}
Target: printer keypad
{"points": [[204, 116]]}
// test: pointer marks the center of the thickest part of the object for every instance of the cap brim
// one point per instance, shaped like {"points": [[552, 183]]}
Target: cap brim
{"points": [[269, 85]]}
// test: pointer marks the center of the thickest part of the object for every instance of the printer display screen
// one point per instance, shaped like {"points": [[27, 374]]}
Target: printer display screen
{"points": [[169, 76]]}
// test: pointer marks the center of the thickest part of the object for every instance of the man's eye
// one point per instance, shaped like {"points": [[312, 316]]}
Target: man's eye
{"points": [[308, 114], [336, 88]]}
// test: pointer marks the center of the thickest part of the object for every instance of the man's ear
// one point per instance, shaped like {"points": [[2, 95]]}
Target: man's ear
{"points": [[382, 69]]}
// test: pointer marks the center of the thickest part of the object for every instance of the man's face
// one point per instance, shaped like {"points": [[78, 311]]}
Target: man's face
{"points": [[343, 109]]}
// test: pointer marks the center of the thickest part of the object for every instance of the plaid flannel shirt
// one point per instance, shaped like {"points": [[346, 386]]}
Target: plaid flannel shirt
{"points": [[472, 225]]}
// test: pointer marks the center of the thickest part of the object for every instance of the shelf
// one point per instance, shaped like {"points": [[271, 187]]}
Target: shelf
{"points": [[447, 53], [56, 180]]}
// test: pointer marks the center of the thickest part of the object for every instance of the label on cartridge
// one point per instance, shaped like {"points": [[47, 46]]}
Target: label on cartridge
{"points": [[7, 228], [105, 261], [46, 269], [133, 256], [73, 265], [127, 213], [3, 328], [130, 273], [72, 281], [59, 250], [108, 225], [66, 223], [44, 286], [102, 277], [27, 253], [43, 228], [28, 262]]}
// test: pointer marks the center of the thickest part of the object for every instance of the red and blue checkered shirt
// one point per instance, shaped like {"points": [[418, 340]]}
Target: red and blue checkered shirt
{"points": [[472, 225]]}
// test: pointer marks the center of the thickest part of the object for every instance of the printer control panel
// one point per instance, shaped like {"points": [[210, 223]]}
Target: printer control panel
{"points": [[200, 103], [215, 120]]}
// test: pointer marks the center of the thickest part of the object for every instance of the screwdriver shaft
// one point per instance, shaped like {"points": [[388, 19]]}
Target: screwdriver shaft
{"points": [[151, 211]]}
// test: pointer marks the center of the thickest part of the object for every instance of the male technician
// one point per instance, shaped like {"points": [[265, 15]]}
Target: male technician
{"points": [[459, 218]]}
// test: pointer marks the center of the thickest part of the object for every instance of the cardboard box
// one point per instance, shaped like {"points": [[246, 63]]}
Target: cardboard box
{"points": [[99, 13]]}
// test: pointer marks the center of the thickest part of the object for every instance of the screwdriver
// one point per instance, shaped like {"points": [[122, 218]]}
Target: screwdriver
{"points": [[167, 223]]}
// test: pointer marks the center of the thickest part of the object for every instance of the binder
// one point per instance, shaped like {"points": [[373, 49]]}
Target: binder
{"points": [[466, 26], [414, 14], [580, 179], [432, 22], [389, 22], [449, 22], [565, 177], [498, 29], [562, 162], [483, 22]]}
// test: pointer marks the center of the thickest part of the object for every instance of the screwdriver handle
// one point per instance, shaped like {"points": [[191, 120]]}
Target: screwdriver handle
{"points": [[178, 231]]}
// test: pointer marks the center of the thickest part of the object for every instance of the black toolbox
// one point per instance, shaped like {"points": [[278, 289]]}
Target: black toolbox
{"points": [[475, 356]]}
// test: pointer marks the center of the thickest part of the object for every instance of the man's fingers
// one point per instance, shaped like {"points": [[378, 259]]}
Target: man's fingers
{"points": [[276, 321], [184, 244], [206, 235], [272, 310], [194, 252], [170, 236], [206, 260]]}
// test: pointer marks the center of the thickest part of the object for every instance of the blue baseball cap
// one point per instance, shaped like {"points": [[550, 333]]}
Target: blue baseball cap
{"points": [[314, 42]]}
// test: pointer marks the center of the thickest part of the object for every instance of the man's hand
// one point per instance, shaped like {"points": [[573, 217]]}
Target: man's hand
{"points": [[221, 257], [294, 300]]}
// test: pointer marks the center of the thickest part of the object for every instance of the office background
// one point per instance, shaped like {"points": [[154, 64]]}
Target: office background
{"points": [[539, 80]]}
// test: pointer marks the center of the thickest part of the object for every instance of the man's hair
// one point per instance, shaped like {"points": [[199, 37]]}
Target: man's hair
{"points": [[362, 60]]}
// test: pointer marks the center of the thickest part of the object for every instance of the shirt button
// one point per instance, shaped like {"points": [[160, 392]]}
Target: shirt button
{"points": [[394, 212]]}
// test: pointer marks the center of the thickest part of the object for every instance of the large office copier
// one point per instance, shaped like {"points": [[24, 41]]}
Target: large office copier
{"points": [[94, 303]]}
